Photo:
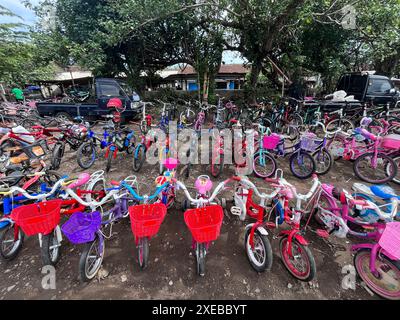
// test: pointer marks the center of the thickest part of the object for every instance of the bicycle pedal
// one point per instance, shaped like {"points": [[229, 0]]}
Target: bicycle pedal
{"points": [[236, 211]]}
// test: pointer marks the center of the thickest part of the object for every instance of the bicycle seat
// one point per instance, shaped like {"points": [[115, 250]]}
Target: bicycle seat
{"points": [[115, 183], [83, 178], [170, 163], [384, 192]]}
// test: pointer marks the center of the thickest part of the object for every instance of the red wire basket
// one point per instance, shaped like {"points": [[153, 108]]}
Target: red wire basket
{"points": [[146, 219], [37, 218], [205, 223]]}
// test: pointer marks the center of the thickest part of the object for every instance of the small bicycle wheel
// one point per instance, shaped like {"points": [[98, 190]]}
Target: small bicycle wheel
{"points": [[300, 263], [86, 155], [396, 179], [143, 252], [10, 243], [260, 257], [50, 250], [345, 124], [57, 155], [323, 160], [139, 158], [109, 160], [384, 171], [201, 259], [387, 282], [91, 259], [302, 164], [264, 165]]}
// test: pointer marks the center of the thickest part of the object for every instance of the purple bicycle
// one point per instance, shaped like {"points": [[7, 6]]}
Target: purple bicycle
{"points": [[90, 228]]}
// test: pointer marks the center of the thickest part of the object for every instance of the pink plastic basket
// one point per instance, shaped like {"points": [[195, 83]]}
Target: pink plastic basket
{"points": [[391, 141], [271, 142], [390, 239]]}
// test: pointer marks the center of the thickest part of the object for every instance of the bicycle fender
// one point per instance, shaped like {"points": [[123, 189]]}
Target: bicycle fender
{"points": [[261, 229], [300, 239]]}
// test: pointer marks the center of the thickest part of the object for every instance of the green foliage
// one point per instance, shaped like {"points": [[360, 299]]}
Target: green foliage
{"points": [[19, 61]]}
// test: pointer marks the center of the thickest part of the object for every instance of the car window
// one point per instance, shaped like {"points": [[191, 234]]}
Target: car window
{"points": [[109, 90], [357, 84], [379, 86]]}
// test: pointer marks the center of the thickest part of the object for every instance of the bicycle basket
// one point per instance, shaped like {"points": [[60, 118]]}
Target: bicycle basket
{"points": [[309, 142], [37, 218], [81, 227], [205, 223], [271, 142], [390, 239], [146, 219]]}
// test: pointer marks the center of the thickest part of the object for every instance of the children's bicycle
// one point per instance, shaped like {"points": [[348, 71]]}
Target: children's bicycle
{"points": [[205, 221], [293, 247], [377, 262], [92, 229]]}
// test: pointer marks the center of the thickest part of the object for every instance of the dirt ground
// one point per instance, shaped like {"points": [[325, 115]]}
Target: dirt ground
{"points": [[172, 271]]}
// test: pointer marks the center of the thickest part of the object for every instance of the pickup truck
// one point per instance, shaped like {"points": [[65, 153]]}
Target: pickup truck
{"points": [[367, 87], [104, 89]]}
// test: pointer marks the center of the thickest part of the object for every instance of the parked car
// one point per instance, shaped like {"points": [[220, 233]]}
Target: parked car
{"points": [[104, 90]]}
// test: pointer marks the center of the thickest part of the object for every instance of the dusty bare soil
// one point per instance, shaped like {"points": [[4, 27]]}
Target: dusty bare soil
{"points": [[172, 271]]}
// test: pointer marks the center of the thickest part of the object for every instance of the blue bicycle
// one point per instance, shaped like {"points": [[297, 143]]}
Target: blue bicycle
{"points": [[87, 152]]}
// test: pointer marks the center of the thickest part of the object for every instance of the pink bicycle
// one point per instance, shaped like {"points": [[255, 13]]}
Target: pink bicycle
{"points": [[371, 153], [377, 262]]}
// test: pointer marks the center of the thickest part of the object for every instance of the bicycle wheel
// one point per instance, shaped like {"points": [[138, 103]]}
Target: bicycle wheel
{"points": [[384, 171], [91, 259], [387, 284], [201, 259], [50, 250], [261, 256], [10, 244], [139, 158], [57, 155], [302, 164], [264, 165], [86, 155], [323, 160], [301, 263], [396, 179], [345, 124], [109, 159], [143, 252]]}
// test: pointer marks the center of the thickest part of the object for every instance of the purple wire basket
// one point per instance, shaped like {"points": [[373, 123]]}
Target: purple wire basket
{"points": [[82, 227]]}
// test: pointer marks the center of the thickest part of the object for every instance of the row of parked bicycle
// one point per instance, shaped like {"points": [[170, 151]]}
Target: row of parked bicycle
{"points": [[34, 197], [84, 210]]}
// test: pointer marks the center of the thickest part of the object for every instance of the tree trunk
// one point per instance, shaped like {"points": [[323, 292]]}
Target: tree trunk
{"points": [[252, 86]]}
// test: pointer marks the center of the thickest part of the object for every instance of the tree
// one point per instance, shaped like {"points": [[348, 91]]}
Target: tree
{"points": [[18, 59]]}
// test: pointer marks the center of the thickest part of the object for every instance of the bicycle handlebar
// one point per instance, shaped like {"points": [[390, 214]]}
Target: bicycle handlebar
{"points": [[146, 197], [201, 201]]}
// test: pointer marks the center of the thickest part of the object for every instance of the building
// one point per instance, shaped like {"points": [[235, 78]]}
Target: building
{"points": [[229, 77]]}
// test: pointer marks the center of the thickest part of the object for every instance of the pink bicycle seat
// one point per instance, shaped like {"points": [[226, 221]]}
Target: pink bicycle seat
{"points": [[171, 163], [83, 178]]}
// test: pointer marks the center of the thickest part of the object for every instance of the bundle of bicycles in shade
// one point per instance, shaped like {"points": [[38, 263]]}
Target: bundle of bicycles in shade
{"points": [[84, 210]]}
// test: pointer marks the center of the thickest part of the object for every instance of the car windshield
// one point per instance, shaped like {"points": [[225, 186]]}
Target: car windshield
{"points": [[126, 87]]}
